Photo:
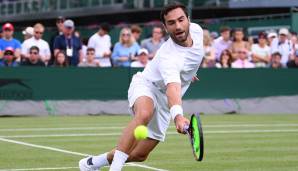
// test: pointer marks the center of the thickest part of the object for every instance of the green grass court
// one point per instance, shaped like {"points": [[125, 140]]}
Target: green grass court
{"points": [[232, 143]]}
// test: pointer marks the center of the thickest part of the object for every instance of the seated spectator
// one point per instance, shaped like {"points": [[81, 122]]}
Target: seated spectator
{"points": [[8, 58], [153, 43], [209, 59], [238, 43], [36, 40], [293, 63], [223, 42], [276, 60], [90, 59], [136, 32], [28, 33], [261, 52], [101, 42], [60, 60], [242, 61], [69, 43], [143, 59], [225, 60], [294, 43], [282, 45], [8, 41], [34, 58], [125, 50]]}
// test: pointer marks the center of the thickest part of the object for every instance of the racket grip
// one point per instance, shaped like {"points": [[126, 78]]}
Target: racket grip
{"points": [[185, 128]]}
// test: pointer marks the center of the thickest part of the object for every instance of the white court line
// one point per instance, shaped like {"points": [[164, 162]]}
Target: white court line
{"points": [[70, 152], [168, 133], [119, 127]]}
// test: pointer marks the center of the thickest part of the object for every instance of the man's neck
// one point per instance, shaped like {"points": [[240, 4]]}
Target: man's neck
{"points": [[187, 43], [5, 38]]}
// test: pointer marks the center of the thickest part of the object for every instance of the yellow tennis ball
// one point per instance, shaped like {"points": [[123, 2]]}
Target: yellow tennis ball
{"points": [[141, 132]]}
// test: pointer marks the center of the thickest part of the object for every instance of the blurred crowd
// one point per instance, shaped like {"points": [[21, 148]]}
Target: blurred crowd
{"points": [[231, 48]]}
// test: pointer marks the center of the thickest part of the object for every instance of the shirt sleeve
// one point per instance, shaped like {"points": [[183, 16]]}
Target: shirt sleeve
{"points": [[170, 70], [57, 43], [91, 42]]}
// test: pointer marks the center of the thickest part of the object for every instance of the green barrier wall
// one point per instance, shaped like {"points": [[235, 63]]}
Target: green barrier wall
{"points": [[112, 83]]}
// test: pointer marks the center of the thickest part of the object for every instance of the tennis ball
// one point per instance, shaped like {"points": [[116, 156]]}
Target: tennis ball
{"points": [[141, 132]]}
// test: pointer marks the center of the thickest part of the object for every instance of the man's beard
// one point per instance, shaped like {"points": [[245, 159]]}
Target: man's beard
{"points": [[178, 39]]}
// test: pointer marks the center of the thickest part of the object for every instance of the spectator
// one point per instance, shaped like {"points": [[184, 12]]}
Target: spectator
{"points": [[84, 48], [69, 44], [143, 59], [59, 24], [242, 61], [36, 40], [238, 43], [125, 50], [136, 32], [90, 61], [209, 59], [153, 43], [34, 58], [271, 36], [8, 58], [282, 45], [60, 60], [276, 60], [294, 43], [8, 41], [293, 63], [225, 60], [223, 42], [101, 42], [261, 52], [28, 33]]}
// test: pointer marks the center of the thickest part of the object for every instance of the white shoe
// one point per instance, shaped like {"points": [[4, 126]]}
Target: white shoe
{"points": [[85, 165]]}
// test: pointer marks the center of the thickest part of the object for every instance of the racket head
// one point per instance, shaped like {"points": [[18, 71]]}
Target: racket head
{"points": [[196, 137]]}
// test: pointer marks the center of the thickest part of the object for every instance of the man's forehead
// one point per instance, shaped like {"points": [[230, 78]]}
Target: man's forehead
{"points": [[175, 14]]}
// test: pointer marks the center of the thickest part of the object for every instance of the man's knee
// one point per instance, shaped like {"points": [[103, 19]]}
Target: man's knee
{"points": [[143, 116], [138, 157]]}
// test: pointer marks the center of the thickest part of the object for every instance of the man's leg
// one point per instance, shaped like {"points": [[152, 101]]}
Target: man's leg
{"points": [[143, 112]]}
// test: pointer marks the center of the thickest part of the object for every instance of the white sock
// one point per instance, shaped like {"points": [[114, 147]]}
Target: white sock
{"points": [[100, 161], [118, 160]]}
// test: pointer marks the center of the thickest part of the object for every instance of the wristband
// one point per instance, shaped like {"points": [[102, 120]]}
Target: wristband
{"points": [[176, 110]]}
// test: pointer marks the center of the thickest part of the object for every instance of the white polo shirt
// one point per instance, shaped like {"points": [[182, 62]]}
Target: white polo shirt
{"points": [[101, 44], [44, 48], [174, 63]]}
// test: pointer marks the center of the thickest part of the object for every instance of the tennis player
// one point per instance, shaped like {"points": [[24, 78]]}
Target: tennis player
{"points": [[155, 95]]}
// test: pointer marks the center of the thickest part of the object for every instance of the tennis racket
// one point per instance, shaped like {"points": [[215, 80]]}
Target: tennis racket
{"points": [[195, 134]]}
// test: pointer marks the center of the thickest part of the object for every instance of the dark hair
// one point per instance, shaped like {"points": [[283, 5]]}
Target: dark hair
{"points": [[224, 29], [34, 48], [170, 7], [262, 35], [90, 49], [105, 27], [276, 54], [65, 63], [136, 28], [227, 52]]}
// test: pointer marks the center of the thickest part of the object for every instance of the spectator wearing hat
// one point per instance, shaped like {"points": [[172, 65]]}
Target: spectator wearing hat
{"points": [[282, 45], [143, 59], [242, 61], [153, 43], [34, 58], [69, 43], [270, 37], [101, 42], [293, 63], [8, 58], [8, 41], [276, 61], [223, 42], [261, 51], [36, 40], [125, 50], [28, 33]]}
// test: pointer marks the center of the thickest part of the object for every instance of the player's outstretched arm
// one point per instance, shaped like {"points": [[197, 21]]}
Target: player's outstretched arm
{"points": [[175, 104]]}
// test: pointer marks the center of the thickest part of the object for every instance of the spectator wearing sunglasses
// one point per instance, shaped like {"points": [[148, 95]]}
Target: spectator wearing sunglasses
{"points": [[242, 61], [36, 40], [34, 58], [8, 58], [8, 41]]}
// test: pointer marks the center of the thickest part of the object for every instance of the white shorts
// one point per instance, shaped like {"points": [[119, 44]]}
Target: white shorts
{"points": [[158, 125]]}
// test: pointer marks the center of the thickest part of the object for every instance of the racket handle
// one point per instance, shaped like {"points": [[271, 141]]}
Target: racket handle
{"points": [[185, 128]]}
